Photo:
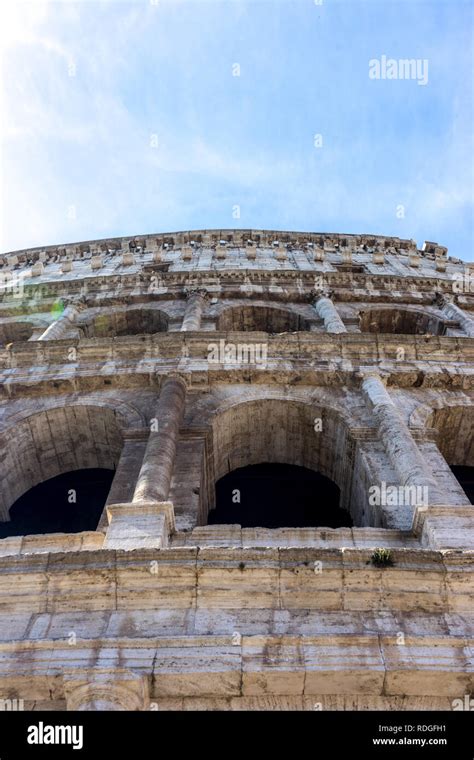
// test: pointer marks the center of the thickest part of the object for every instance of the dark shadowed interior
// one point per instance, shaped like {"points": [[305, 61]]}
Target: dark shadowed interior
{"points": [[278, 496], [50, 507], [465, 476]]}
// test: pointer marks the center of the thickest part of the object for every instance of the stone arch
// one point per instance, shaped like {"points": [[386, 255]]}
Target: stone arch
{"points": [[259, 317], [275, 430], [451, 453], [54, 441], [454, 425], [420, 416], [404, 320], [118, 321], [10, 332], [127, 415]]}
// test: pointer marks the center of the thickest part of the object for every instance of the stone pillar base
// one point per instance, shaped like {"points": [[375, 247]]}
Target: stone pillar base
{"points": [[139, 525], [445, 527]]}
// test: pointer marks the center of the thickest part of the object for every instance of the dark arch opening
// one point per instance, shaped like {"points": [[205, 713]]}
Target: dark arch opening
{"points": [[48, 508], [15, 331], [278, 496], [400, 322], [144, 321], [465, 477], [261, 319]]}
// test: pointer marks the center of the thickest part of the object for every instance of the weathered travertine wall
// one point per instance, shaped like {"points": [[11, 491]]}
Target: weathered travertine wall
{"points": [[177, 358]]}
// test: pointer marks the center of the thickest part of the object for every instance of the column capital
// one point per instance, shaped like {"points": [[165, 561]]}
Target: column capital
{"points": [[104, 689], [75, 304], [196, 291], [80, 301], [64, 321], [316, 294], [176, 376], [374, 386], [365, 374], [326, 310], [443, 299]]}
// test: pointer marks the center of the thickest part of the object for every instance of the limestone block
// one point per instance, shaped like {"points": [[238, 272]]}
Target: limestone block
{"points": [[343, 665], [37, 269], [272, 666], [61, 542], [10, 546], [311, 579], [97, 262], [459, 581], [427, 667], [76, 582], [242, 581], [197, 671], [157, 580], [128, 259], [150, 622], [23, 584], [139, 525], [14, 625], [60, 626]]}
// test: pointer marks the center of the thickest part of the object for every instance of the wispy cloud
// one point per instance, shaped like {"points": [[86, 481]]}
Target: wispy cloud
{"points": [[130, 117]]}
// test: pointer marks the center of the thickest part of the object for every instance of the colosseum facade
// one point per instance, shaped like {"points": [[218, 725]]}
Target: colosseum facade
{"points": [[172, 361]]}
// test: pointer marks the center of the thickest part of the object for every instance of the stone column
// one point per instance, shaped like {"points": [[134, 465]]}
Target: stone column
{"points": [[404, 454], [453, 311], [196, 302], [157, 469], [325, 309], [148, 519], [126, 473], [62, 324]]}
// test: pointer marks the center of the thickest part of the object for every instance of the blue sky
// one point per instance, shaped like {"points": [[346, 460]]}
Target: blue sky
{"points": [[127, 118]]}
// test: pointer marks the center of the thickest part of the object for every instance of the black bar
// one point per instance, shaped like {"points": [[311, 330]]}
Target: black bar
{"points": [[317, 734]]}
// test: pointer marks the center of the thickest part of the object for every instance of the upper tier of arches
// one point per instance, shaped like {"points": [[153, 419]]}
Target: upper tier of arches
{"points": [[236, 315]]}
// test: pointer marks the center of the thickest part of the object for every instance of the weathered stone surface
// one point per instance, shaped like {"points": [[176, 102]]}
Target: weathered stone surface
{"points": [[156, 609]]}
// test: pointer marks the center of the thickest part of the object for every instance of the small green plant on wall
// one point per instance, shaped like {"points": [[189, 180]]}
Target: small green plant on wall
{"points": [[382, 558]]}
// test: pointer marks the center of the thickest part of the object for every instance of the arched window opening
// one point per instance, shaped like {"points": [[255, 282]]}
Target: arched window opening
{"points": [[56, 467], [10, 332], [261, 319], [455, 441], [278, 496], [465, 477], [291, 463], [143, 321], [69, 503], [401, 322]]}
